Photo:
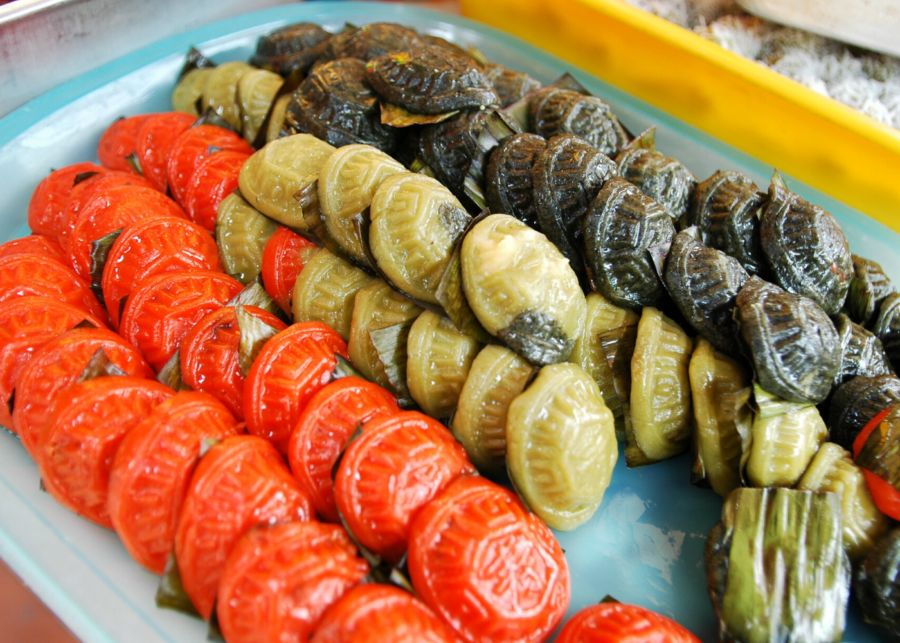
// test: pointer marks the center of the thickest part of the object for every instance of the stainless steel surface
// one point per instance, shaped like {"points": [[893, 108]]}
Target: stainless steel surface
{"points": [[873, 24], [45, 42]]}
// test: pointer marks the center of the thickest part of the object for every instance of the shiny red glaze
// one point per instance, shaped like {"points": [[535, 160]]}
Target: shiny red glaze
{"points": [[489, 568], [373, 613], [288, 371], [154, 142], [281, 265], [152, 247], [47, 207], [328, 421], [240, 483], [120, 140], [884, 494], [164, 308], [152, 469], [210, 360], [622, 623], [26, 324], [75, 450], [189, 150], [112, 210], [57, 365], [390, 472], [38, 244], [215, 178], [87, 190], [42, 276], [280, 579]]}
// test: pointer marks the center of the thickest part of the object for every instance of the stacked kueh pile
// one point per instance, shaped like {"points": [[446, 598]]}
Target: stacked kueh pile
{"points": [[864, 80]]}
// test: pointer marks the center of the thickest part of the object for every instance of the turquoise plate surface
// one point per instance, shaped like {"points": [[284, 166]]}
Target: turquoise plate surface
{"points": [[644, 545]]}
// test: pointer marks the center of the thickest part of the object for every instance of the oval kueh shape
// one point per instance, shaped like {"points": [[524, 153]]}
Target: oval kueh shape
{"points": [[704, 282], [416, 222], [486, 565], [155, 139], [347, 183], [431, 80], [375, 307], [291, 47], [75, 451], [280, 579], [517, 282], [791, 342], [288, 371], [336, 104], [389, 473], [191, 147], [561, 446], [57, 365], [210, 355], [327, 422], [726, 209], [152, 469], [806, 249], [26, 324], [151, 247], [240, 483], [372, 612], [164, 308], [662, 178], [272, 176], [325, 291], [562, 111], [510, 188], [620, 227], [660, 387], [28, 275], [496, 377], [242, 233], [439, 361], [568, 173]]}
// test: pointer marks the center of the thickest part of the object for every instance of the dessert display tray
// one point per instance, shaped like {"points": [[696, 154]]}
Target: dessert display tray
{"points": [[644, 545]]}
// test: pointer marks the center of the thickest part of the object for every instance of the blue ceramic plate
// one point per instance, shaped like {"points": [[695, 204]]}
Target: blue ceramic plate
{"points": [[644, 545]]}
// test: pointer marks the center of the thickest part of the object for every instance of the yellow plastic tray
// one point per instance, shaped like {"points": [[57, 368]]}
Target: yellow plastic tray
{"points": [[815, 139]]}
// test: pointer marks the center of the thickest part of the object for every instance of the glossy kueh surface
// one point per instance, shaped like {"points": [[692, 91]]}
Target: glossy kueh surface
{"points": [[644, 544]]}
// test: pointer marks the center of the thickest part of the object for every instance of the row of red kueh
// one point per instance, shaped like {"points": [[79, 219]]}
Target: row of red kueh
{"points": [[237, 452]]}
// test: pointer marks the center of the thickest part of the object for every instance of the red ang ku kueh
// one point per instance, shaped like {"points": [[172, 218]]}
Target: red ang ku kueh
{"points": [[877, 452]]}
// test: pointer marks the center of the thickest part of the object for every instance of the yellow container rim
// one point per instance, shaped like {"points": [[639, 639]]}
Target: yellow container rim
{"points": [[844, 154], [750, 70]]}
